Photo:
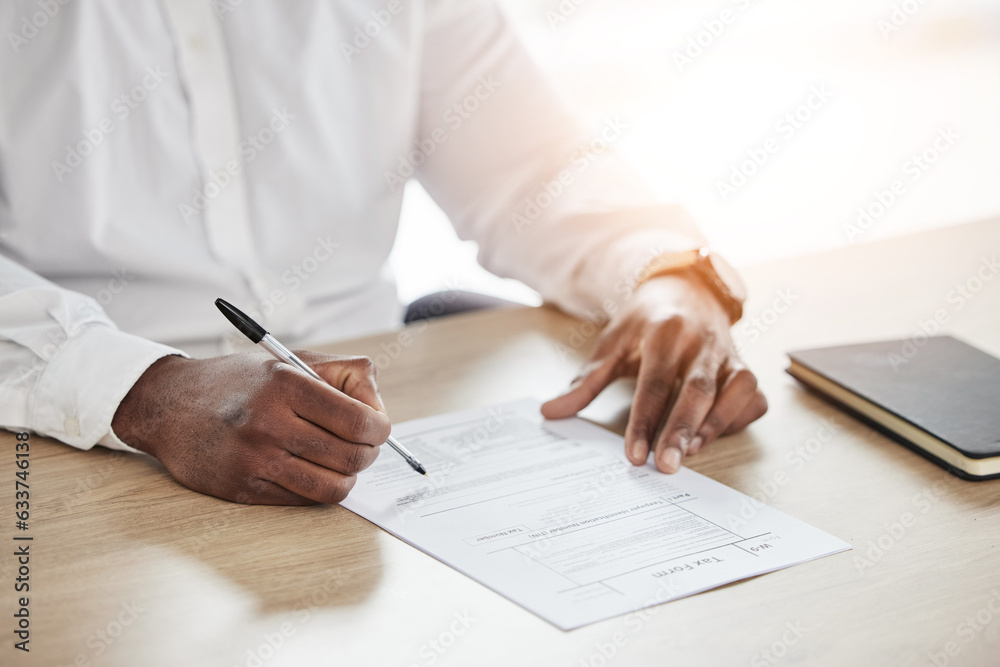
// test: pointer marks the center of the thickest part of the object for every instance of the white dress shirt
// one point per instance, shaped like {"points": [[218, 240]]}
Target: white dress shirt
{"points": [[157, 155]]}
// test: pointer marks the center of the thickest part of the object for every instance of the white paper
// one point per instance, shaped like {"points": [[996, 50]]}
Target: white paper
{"points": [[551, 515]]}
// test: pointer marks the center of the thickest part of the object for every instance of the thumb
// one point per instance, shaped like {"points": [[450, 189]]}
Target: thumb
{"points": [[591, 381], [355, 376]]}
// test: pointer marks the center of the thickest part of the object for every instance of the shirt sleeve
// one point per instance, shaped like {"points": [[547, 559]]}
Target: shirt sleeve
{"points": [[64, 366], [549, 203]]}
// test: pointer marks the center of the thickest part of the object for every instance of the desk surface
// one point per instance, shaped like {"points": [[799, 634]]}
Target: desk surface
{"points": [[128, 568]]}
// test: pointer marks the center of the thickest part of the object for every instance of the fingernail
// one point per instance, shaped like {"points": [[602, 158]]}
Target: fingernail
{"points": [[639, 450], [381, 404], [684, 443], [671, 459], [696, 444]]}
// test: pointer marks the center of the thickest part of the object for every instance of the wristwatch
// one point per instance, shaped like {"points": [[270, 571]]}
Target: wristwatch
{"points": [[716, 272]]}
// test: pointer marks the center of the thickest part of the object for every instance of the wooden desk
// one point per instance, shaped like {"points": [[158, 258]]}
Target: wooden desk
{"points": [[171, 577]]}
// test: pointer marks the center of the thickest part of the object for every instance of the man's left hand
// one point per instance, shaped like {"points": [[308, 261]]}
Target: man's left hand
{"points": [[672, 334]]}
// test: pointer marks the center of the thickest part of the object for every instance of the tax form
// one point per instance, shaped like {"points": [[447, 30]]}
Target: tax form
{"points": [[551, 515]]}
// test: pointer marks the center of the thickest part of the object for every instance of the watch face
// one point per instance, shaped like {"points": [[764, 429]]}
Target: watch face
{"points": [[728, 276]]}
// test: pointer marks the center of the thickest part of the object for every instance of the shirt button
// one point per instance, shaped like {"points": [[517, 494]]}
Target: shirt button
{"points": [[72, 426], [197, 42]]}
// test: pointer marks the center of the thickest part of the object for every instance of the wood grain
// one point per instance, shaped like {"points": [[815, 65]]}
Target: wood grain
{"points": [[171, 577]]}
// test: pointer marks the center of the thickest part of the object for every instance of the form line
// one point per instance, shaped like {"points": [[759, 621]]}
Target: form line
{"points": [[568, 532]]}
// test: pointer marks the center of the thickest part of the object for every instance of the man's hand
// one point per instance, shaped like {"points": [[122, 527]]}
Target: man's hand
{"points": [[673, 334], [251, 429]]}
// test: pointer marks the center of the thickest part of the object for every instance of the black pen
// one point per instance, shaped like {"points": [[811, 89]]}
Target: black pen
{"points": [[258, 335]]}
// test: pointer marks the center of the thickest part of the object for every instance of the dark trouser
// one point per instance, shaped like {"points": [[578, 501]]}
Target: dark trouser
{"points": [[452, 302]]}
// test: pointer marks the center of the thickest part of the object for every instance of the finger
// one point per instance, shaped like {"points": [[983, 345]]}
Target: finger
{"points": [[737, 391], [263, 492], [653, 389], [699, 384], [609, 340], [331, 409], [355, 376], [358, 379], [755, 409], [592, 380], [310, 481], [310, 442]]}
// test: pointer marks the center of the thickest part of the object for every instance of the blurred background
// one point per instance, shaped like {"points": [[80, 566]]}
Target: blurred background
{"points": [[909, 92]]}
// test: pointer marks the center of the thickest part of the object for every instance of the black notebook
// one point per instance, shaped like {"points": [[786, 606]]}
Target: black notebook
{"points": [[938, 396]]}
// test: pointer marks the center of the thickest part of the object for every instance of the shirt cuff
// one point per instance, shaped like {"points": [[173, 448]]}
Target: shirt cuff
{"points": [[112, 441], [617, 246], [85, 381]]}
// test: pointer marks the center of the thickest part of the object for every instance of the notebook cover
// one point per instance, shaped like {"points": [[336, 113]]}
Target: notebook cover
{"points": [[943, 386]]}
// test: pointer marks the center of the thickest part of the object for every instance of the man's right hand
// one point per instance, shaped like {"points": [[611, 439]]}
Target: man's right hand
{"points": [[250, 429]]}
